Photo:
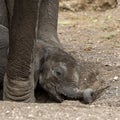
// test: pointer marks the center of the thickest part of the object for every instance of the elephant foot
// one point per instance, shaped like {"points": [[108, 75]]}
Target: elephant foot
{"points": [[20, 89]]}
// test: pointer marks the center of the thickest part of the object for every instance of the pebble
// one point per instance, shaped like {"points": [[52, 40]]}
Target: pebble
{"points": [[28, 107], [30, 116], [115, 78], [7, 112]]}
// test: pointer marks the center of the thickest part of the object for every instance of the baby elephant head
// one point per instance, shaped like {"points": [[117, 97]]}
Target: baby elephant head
{"points": [[59, 75]]}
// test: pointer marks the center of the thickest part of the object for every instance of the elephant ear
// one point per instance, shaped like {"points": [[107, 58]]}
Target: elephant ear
{"points": [[43, 60], [36, 68], [47, 53], [36, 77], [40, 59]]}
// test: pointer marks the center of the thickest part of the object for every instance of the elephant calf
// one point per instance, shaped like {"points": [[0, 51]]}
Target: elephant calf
{"points": [[58, 73], [36, 55]]}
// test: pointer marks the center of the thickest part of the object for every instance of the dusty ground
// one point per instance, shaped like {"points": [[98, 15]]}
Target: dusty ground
{"points": [[65, 111], [95, 37], [92, 37]]}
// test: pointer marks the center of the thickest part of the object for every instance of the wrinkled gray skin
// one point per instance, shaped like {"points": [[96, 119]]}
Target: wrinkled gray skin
{"points": [[58, 73], [42, 61]]}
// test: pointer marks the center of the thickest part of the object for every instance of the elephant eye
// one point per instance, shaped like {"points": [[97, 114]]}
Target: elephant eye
{"points": [[58, 72]]}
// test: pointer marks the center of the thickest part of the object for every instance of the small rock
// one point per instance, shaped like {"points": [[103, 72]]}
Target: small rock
{"points": [[115, 78]]}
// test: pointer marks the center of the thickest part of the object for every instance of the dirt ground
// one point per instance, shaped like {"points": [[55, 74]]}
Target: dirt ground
{"points": [[95, 37], [90, 36]]}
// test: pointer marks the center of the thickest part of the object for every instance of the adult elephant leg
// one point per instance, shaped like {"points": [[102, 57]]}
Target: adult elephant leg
{"points": [[19, 82], [4, 40], [48, 18]]}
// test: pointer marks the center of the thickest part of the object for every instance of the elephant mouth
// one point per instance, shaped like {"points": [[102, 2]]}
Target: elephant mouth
{"points": [[61, 95], [57, 96], [86, 96]]}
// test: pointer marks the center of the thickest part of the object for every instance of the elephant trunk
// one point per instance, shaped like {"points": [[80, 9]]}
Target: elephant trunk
{"points": [[76, 93]]}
